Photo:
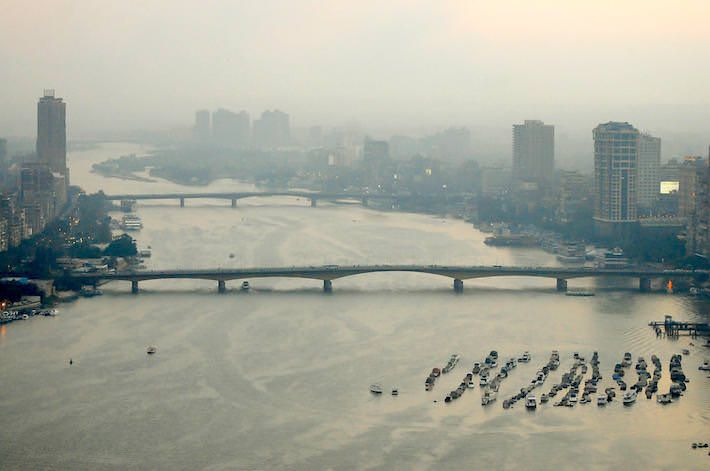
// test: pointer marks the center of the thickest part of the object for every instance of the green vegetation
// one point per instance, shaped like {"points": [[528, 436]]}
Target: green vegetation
{"points": [[123, 246]]}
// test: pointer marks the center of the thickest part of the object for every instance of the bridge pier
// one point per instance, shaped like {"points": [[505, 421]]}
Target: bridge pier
{"points": [[327, 286], [182, 202], [644, 285], [561, 284], [134, 286], [234, 202], [314, 202], [458, 285], [221, 286]]}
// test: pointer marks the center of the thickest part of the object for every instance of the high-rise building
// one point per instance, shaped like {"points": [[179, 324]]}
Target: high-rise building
{"points": [[231, 129], [691, 171], [648, 184], [616, 154], [201, 131], [3, 163], [698, 240], [272, 130], [51, 133], [533, 151]]}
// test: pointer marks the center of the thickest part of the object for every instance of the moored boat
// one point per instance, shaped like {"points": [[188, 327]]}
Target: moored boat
{"points": [[376, 388]]}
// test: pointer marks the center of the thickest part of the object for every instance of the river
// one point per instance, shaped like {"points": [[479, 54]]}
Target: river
{"points": [[277, 378]]}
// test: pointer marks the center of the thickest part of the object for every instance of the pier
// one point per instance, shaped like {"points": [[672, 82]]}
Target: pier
{"points": [[672, 328]]}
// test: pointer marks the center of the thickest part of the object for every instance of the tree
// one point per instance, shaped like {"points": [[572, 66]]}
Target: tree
{"points": [[123, 246]]}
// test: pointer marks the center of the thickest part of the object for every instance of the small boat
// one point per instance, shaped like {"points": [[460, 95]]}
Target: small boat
{"points": [[705, 366], [395, 392], [484, 381], [375, 388], [530, 402], [544, 398], [524, 358], [573, 398], [685, 351], [663, 398], [579, 293], [630, 397], [488, 397], [231, 255], [471, 384], [602, 399], [245, 286], [476, 368], [151, 350]]}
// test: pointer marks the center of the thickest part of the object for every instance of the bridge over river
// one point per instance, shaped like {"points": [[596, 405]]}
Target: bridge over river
{"points": [[328, 273], [235, 196]]}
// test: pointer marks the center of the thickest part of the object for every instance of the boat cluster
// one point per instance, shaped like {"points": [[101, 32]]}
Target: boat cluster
{"points": [[537, 381], [436, 372], [10, 316]]}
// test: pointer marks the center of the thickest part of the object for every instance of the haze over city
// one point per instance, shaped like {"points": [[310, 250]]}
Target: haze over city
{"points": [[305, 235], [394, 67]]}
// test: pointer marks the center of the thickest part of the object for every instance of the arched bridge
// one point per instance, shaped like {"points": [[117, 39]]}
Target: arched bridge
{"points": [[328, 273], [235, 196]]}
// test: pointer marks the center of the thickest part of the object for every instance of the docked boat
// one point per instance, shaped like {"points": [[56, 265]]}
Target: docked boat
{"points": [[602, 399], [530, 402], [525, 357], [544, 398], [630, 397], [488, 397], [663, 398], [705, 366], [579, 292], [151, 350], [395, 392], [376, 388], [483, 381], [476, 368], [471, 385], [245, 286], [685, 351]]}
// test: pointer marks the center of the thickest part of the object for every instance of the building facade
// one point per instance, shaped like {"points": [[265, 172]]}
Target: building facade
{"points": [[51, 133], [231, 129], [616, 154], [649, 163], [533, 151], [202, 129], [272, 129]]}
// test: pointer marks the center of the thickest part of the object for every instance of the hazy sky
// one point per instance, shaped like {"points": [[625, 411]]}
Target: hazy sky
{"points": [[391, 63]]}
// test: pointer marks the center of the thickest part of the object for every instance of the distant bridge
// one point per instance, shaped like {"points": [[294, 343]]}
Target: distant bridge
{"points": [[328, 273], [235, 196]]}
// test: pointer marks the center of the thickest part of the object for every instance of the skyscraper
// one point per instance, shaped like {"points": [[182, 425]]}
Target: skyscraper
{"points": [[231, 129], [51, 133], [616, 155], [201, 131], [533, 151], [273, 129], [648, 185]]}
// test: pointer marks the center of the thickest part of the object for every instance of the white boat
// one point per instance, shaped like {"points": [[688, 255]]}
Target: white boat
{"points": [[663, 398], [544, 398], [484, 381], [471, 384], [151, 350], [630, 396], [685, 351], [395, 392], [375, 388], [573, 398], [524, 358], [488, 397], [245, 286], [530, 402], [601, 400], [705, 366]]}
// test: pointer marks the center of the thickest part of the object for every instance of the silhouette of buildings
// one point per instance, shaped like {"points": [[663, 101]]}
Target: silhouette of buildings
{"points": [[533, 151]]}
